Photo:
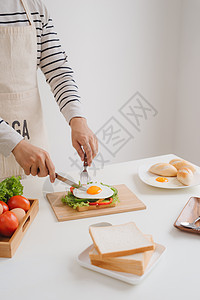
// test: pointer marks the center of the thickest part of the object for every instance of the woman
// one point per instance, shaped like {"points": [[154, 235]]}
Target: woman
{"points": [[27, 41]]}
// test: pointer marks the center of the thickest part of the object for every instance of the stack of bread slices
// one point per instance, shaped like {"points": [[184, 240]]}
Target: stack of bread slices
{"points": [[122, 248], [183, 169]]}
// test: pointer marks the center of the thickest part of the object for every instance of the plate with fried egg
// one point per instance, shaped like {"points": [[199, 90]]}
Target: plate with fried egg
{"points": [[175, 174]]}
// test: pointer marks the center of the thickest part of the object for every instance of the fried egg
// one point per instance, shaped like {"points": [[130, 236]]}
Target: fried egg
{"points": [[94, 191], [162, 179]]}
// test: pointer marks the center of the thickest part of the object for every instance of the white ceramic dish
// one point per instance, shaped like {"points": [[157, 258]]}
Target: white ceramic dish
{"points": [[84, 261], [172, 183]]}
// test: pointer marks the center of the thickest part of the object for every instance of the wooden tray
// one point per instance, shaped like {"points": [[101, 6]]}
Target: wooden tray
{"points": [[189, 213], [128, 202], [8, 246]]}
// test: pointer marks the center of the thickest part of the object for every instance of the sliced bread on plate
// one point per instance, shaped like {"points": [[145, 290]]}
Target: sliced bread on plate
{"points": [[119, 240], [134, 263]]}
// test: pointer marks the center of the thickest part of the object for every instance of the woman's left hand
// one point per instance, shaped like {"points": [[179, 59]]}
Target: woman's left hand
{"points": [[83, 139]]}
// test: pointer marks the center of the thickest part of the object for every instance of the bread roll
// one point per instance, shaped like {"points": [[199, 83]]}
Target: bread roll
{"points": [[181, 163], [163, 169], [185, 176]]}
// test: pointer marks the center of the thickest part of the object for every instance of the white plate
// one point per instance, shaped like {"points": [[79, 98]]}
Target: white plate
{"points": [[84, 261], [172, 183]]}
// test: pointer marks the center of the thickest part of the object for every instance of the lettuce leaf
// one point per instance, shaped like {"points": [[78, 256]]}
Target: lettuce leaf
{"points": [[10, 187]]}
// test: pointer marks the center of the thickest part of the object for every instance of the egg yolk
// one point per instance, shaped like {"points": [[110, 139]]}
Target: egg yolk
{"points": [[93, 190], [162, 179]]}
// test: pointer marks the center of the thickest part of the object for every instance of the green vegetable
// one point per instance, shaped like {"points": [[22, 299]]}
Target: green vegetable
{"points": [[10, 187], [74, 202], [70, 200]]}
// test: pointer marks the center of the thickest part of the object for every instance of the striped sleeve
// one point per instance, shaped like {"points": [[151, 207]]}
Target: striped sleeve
{"points": [[59, 75], [9, 138]]}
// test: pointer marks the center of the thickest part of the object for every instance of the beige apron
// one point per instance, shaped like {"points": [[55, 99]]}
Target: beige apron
{"points": [[20, 104]]}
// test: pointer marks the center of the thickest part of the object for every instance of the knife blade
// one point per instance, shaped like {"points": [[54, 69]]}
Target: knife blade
{"points": [[70, 182]]}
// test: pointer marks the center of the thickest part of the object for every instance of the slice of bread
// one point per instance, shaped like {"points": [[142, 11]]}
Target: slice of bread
{"points": [[92, 207], [119, 240], [134, 263]]}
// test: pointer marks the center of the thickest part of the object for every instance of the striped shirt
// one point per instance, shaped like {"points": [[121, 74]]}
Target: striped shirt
{"points": [[51, 59]]}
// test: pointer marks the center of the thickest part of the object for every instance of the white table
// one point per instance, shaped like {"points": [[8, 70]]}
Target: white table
{"points": [[45, 265]]}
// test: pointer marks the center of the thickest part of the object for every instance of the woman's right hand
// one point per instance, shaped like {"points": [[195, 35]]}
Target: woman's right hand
{"points": [[34, 160]]}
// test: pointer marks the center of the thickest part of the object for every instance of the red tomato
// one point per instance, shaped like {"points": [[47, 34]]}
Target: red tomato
{"points": [[8, 223], [5, 206], [71, 189], [18, 202]]}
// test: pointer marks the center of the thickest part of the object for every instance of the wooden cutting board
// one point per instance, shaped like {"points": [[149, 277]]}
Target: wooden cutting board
{"points": [[128, 202], [189, 213]]}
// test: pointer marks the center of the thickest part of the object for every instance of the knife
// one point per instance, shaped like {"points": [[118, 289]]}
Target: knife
{"points": [[70, 182]]}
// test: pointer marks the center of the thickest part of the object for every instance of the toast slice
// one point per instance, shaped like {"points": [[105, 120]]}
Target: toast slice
{"points": [[134, 263], [92, 207], [119, 240]]}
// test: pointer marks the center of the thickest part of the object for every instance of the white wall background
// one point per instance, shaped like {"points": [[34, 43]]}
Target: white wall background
{"points": [[187, 137], [117, 48]]}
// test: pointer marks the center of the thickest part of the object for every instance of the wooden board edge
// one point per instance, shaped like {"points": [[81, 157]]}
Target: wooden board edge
{"points": [[35, 204], [176, 221], [104, 213], [51, 204]]}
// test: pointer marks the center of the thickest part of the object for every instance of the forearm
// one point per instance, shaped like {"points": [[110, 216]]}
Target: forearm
{"points": [[9, 138], [59, 74]]}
